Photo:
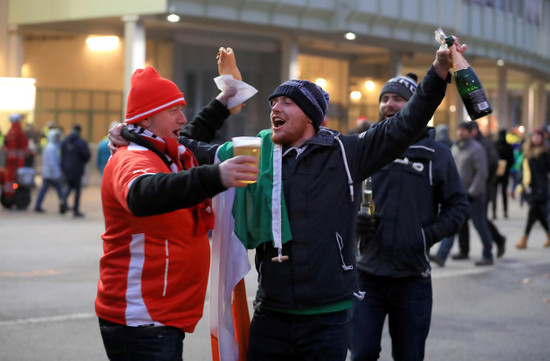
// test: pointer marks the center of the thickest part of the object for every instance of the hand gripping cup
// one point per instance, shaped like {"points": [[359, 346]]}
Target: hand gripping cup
{"points": [[247, 146]]}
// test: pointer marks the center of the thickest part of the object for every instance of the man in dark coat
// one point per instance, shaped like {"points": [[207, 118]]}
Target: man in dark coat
{"points": [[419, 200], [74, 156]]}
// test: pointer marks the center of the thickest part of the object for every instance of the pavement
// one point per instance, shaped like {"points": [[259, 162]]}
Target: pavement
{"points": [[49, 273]]}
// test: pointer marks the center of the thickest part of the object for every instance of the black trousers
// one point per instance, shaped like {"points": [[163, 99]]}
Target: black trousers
{"points": [[503, 183], [537, 212]]}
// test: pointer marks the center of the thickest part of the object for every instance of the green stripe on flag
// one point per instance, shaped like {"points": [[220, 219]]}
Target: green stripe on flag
{"points": [[252, 208]]}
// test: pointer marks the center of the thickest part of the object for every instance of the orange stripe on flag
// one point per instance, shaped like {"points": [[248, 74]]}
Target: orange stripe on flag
{"points": [[241, 323], [215, 348]]}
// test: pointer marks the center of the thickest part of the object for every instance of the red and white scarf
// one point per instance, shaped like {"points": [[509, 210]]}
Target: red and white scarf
{"points": [[180, 158]]}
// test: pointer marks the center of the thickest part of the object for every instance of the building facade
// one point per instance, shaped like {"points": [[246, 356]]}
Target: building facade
{"points": [[350, 47]]}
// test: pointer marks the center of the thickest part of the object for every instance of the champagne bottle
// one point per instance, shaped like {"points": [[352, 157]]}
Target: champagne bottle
{"points": [[367, 202], [468, 84]]}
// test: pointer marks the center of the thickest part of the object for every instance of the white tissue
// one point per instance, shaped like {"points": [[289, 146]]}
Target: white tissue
{"points": [[244, 91]]}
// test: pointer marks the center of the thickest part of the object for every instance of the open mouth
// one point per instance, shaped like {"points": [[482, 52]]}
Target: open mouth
{"points": [[176, 133], [278, 123]]}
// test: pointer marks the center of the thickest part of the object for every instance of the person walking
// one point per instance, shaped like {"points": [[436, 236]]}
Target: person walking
{"points": [[533, 183], [156, 203], [505, 152], [419, 200], [103, 152], [471, 162], [492, 165], [51, 171], [74, 156]]}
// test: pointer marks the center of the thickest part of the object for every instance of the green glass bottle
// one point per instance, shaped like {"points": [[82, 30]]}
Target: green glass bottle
{"points": [[467, 82]]}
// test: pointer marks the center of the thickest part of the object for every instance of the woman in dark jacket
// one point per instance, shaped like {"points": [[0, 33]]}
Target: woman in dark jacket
{"points": [[534, 184]]}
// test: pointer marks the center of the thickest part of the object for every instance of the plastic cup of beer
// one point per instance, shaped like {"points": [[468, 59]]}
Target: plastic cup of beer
{"points": [[247, 146]]}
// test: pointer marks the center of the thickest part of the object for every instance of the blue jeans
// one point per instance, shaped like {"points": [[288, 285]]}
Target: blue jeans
{"points": [[407, 301], [123, 343], [278, 336], [478, 214], [445, 247], [46, 183]]}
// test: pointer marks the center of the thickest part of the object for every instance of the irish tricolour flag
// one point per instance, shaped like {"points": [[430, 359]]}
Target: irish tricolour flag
{"points": [[245, 217]]}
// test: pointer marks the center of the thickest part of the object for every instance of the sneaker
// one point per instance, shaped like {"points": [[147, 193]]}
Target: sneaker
{"points": [[78, 215], [39, 210], [460, 256], [485, 262], [62, 208], [437, 260]]}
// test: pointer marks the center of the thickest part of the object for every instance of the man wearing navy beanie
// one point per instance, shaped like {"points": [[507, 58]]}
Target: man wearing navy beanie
{"points": [[393, 263], [322, 172], [310, 97]]}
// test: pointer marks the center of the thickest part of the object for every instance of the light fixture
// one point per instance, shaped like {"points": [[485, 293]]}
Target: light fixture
{"points": [[452, 108], [369, 85], [500, 62], [102, 43], [321, 82], [17, 94], [521, 129], [173, 18], [350, 36], [355, 95]]}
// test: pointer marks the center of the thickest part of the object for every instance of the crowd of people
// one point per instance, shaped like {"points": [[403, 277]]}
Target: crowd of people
{"points": [[329, 274], [63, 161]]}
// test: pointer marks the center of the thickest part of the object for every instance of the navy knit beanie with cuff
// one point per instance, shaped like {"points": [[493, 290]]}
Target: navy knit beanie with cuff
{"points": [[404, 86], [310, 97]]}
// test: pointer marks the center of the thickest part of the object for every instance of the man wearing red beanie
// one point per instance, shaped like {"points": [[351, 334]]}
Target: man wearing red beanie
{"points": [[156, 203]]}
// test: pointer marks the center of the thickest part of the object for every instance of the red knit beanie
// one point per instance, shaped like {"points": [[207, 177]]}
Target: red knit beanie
{"points": [[149, 94]]}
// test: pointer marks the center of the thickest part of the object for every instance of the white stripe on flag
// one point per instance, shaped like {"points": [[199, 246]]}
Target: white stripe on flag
{"points": [[276, 222], [229, 265]]}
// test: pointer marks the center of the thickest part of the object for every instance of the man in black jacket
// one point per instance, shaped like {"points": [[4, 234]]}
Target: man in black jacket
{"points": [[419, 199], [302, 303]]}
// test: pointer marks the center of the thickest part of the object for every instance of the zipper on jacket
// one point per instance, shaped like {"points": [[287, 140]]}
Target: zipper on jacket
{"points": [[340, 248], [166, 268]]}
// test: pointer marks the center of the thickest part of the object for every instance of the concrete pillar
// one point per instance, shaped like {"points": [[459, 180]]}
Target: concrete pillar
{"points": [[3, 37], [395, 64], [540, 101], [289, 59], [15, 52], [503, 108], [134, 51], [528, 106]]}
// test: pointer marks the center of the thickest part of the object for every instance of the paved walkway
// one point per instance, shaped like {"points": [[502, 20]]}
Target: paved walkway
{"points": [[48, 277]]}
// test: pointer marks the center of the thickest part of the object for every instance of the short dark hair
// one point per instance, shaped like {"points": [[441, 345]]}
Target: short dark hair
{"points": [[466, 125]]}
